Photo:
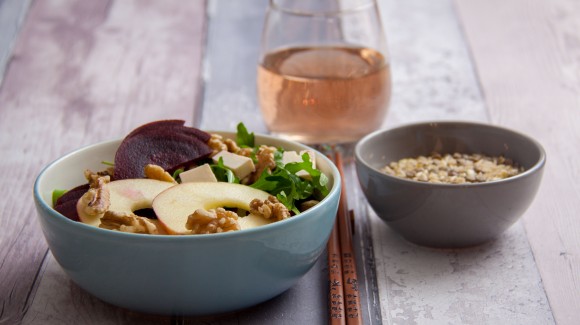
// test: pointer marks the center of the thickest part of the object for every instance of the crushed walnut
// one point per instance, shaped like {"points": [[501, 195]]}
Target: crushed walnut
{"points": [[158, 173], [212, 221], [96, 200], [127, 222], [308, 204], [265, 161], [269, 208], [218, 143], [454, 168]]}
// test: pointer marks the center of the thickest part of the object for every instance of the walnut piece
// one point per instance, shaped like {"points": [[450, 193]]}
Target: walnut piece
{"points": [[269, 208], [127, 222], [158, 173], [96, 200], [218, 143], [212, 221], [265, 157], [308, 204]]}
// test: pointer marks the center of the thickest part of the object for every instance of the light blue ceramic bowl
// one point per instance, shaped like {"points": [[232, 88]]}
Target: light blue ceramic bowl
{"points": [[182, 275]]}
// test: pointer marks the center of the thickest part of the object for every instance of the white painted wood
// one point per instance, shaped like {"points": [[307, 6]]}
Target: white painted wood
{"points": [[121, 63], [527, 54], [82, 72], [230, 73], [230, 97], [12, 13], [497, 283], [433, 77]]}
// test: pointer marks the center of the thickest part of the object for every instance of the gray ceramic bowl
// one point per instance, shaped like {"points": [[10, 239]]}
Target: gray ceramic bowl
{"points": [[447, 215], [188, 275]]}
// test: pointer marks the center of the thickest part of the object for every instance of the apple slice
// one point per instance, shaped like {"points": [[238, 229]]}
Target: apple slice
{"points": [[127, 195], [253, 221], [175, 204]]}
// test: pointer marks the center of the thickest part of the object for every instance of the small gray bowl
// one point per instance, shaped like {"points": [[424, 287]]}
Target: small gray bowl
{"points": [[448, 215]]}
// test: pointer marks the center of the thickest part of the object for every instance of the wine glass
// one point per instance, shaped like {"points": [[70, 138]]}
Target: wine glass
{"points": [[323, 73]]}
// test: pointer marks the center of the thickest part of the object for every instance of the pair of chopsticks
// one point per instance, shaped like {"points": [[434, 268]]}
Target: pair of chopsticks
{"points": [[343, 295]]}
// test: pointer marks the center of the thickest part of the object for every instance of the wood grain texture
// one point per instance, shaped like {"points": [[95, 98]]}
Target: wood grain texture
{"points": [[82, 72], [86, 71], [497, 283], [230, 69], [527, 54], [12, 13], [433, 76]]}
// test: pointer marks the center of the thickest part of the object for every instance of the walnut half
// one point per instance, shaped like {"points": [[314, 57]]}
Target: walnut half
{"points": [[96, 200], [127, 222], [218, 143], [212, 221], [270, 208], [158, 173]]}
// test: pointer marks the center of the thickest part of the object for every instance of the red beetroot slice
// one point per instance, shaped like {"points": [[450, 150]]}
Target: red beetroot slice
{"points": [[163, 124], [67, 203], [169, 147], [176, 126]]}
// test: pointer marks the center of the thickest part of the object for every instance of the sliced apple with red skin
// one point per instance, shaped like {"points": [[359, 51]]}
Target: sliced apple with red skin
{"points": [[127, 195], [174, 205]]}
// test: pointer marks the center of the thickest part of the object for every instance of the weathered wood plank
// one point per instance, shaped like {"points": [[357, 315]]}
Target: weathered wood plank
{"points": [[230, 97], [434, 79], [230, 68], [231, 91], [527, 54], [82, 72], [12, 13]]}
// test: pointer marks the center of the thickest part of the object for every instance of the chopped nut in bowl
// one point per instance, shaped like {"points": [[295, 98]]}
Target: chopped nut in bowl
{"points": [[204, 250], [449, 184]]}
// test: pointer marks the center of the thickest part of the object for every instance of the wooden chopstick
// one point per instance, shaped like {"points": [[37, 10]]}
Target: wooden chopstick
{"points": [[349, 274], [336, 292], [344, 297]]}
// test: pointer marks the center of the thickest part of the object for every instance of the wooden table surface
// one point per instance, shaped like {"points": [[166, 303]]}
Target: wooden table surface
{"points": [[76, 72]]}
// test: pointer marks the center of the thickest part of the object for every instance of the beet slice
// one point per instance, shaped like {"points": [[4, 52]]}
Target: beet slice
{"points": [[176, 126], [67, 203], [152, 126], [167, 144]]}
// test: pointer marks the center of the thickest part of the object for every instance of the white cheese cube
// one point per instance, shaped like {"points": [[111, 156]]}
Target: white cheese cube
{"points": [[293, 156], [240, 165], [201, 173]]}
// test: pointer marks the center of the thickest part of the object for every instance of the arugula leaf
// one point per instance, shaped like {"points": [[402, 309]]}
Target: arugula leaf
{"points": [[176, 173], [289, 187], [243, 137], [223, 173], [319, 180], [56, 194]]}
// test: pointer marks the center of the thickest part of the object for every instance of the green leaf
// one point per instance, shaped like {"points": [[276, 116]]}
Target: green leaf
{"points": [[223, 173], [176, 173], [319, 181], [288, 187], [243, 137], [56, 194], [108, 163]]}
